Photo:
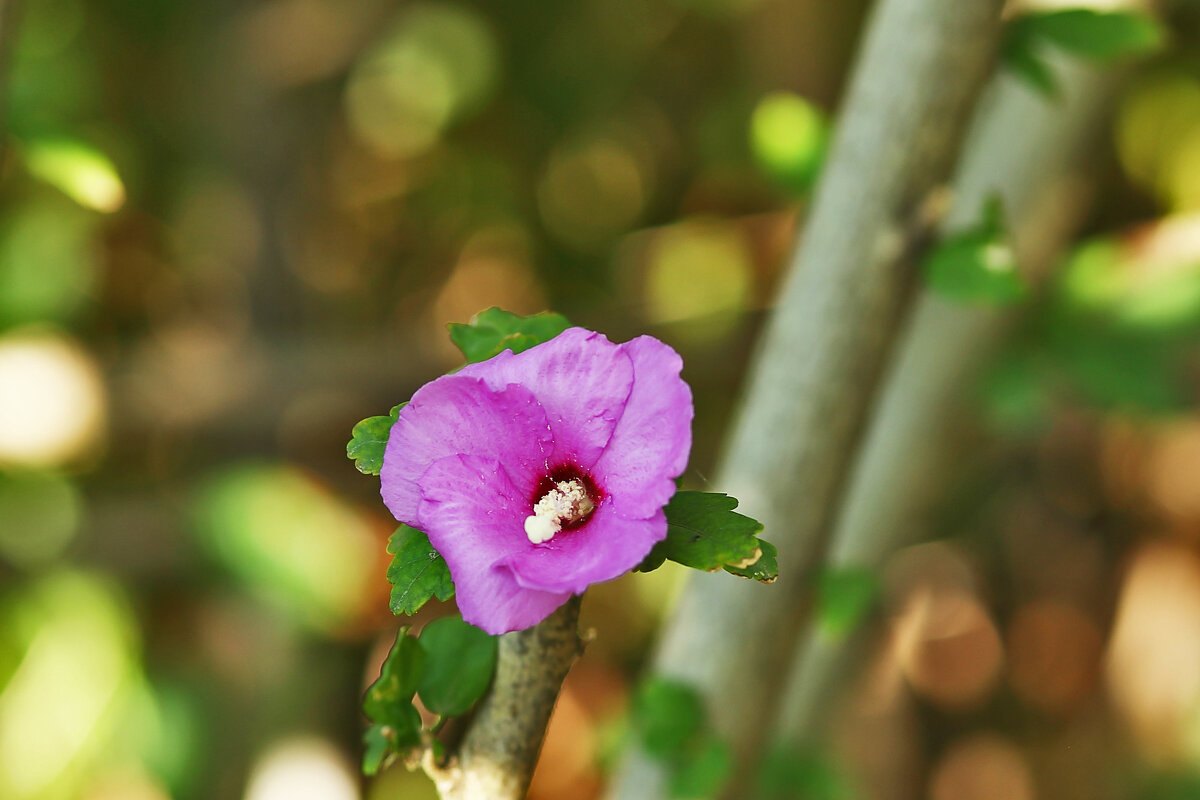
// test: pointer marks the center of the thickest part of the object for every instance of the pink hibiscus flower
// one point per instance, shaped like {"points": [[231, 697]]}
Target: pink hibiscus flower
{"points": [[536, 475]]}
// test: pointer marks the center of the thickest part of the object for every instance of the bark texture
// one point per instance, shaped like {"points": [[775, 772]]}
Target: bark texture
{"points": [[501, 746], [1035, 154], [918, 74]]}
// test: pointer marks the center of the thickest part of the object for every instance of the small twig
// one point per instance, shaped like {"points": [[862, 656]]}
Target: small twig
{"points": [[500, 749]]}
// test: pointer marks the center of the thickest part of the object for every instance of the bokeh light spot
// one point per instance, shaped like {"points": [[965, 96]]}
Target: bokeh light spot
{"points": [[493, 269], [1158, 137], [950, 650], [699, 271], [78, 170], [438, 64], [591, 191], [946, 642], [52, 400], [788, 137], [1173, 472], [1153, 665], [302, 769], [982, 767], [1053, 654]]}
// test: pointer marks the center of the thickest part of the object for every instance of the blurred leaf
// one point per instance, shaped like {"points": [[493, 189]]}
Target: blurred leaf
{"points": [[701, 771], [49, 91], [78, 170], [70, 673], [788, 137], [494, 330], [1015, 395], [417, 573], [368, 440], [1097, 35], [41, 513], [976, 265], [375, 750], [1173, 785], [389, 699], [704, 532], [1021, 56], [667, 714], [306, 550], [1113, 369], [1122, 325], [843, 598], [794, 773], [1107, 281], [460, 662], [47, 261], [765, 569]]}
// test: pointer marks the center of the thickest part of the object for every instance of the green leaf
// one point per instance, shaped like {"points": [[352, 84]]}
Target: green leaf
{"points": [[704, 532], [800, 773], [765, 569], [701, 771], [460, 663], [668, 715], [369, 439], [1016, 397], [376, 748], [388, 704], [1099, 36], [417, 573], [495, 330], [381, 741], [653, 560], [1096, 35], [977, 265], [388, 700], [844, 596], [1021, 56]]}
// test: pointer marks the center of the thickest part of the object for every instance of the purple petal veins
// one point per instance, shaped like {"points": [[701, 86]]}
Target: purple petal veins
{"points": [[472, 455]]}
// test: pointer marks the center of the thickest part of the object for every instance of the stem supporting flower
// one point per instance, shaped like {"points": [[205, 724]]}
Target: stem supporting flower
{"points": [[496, 758]]}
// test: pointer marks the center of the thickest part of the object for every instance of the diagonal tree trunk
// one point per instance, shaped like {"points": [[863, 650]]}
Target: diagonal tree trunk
{"points": [[920, 70], [1034, 153]]}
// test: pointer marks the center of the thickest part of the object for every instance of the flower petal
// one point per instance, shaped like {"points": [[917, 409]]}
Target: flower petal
{"points": [[457, 414], [473, 515], [608, 546], [580, 378], [650, 445]]}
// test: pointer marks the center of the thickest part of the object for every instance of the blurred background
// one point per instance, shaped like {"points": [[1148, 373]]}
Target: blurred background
{"points": [[230, 230]]}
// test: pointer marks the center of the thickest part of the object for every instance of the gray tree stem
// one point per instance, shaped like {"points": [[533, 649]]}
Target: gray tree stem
{"points": [[919, 72], [1036, 154]]}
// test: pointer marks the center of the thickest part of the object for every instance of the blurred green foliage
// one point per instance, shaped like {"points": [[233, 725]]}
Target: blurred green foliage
{"points": [[672, 725], [977, 265]]}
